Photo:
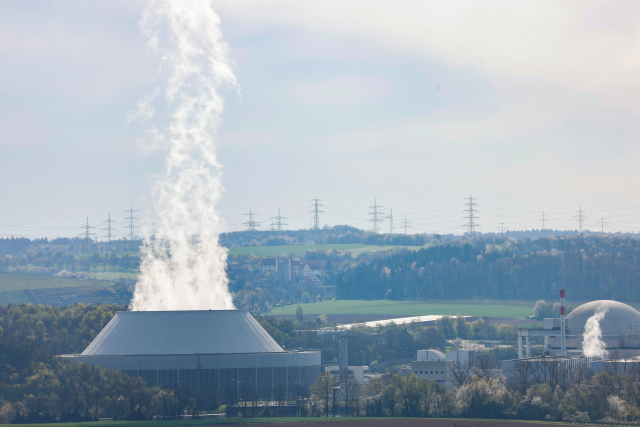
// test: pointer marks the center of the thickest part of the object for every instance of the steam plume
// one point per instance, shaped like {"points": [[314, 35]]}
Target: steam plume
{"points": [[183, 268], [592, 345]]}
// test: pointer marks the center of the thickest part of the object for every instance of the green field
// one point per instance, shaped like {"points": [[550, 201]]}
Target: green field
{"points": [[403, 308], [16, 282], [299, 250]]}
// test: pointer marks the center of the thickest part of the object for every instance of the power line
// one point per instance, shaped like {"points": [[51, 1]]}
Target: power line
{"points": [[109, 229], [502, 224], [251, 224], [316, 211], [390, 216], [542, 219], [87, 235], [580, 218], [602, 223], [376, 217], [471, 218], [406, 225], [131, 226], [279, 222]]}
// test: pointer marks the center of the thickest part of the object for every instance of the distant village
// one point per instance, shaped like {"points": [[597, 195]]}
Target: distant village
{"points": [[281, 269]]}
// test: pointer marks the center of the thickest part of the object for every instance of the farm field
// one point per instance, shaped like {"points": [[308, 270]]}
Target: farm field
{"points": [[18, 288], [410, 308], [299, 250], [112, 275], [323, 422], [16, 282]]}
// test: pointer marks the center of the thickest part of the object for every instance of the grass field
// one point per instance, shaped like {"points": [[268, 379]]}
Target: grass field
{"points": [[411, 308], [16, 282], [298, 250]]}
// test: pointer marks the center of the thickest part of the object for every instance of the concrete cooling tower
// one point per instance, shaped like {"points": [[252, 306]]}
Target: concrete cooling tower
{"points": [[225, 349]]}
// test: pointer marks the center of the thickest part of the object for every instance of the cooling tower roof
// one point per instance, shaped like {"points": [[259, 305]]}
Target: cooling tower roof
{"points": [[618, 319], [132, 333]]}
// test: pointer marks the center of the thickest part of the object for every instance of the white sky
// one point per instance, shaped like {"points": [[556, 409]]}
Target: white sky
{"points": [[528, 106]]}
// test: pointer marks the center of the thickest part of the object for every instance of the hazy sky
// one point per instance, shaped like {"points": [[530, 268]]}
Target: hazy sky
{"points": [[528, 106]]}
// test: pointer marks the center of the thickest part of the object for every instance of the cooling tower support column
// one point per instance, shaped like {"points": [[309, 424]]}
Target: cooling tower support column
{"points": [[344, 354], [563, 332]]}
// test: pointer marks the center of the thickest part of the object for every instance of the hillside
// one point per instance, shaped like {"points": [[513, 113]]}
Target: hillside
{"points": [[589, 268], [18, 288]]}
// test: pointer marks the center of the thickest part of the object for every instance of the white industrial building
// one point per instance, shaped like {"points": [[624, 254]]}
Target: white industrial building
{"points": [[225, 349], [619, 327], [435, 365]]}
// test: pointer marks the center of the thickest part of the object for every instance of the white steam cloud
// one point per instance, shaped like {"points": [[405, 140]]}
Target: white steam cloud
{"points": [[592, 344], [183, 267]]}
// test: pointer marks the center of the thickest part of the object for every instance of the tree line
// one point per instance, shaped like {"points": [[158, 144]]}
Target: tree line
{"points": [[66, 263], [37, 387], [546, 390], [588, 267]]}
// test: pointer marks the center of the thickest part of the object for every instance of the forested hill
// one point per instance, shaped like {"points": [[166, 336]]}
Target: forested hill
{"points": [[589, 268]]}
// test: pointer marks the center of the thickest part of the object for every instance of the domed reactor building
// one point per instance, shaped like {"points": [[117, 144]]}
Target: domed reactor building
{"points": [[224, 349], [620, 329]]}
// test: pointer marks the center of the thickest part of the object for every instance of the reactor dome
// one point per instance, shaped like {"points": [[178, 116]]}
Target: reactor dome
{"points": [[618, 319]]}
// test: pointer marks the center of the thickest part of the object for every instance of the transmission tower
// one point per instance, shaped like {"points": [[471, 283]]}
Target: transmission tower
{"points": [[109, 229], [87, 234], [406, 225], [580, 218], [376, 216], [279, 222], [543, 220], [251, 224], [131, 226], [602, 222], [471, 217], [390, 216], [272, 224], [316, 211], [502, 225]]}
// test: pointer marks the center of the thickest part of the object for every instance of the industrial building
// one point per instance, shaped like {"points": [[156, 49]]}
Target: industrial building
{"points": [[620, 330], [434, 365], [225, 349], [283, 268]]}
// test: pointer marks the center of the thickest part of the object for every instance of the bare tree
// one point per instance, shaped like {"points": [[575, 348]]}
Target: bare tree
{"points": [[349, 388], [321, 390], [460, 373], [581, 371], [356, 396], [485, 364], [521, 371]]}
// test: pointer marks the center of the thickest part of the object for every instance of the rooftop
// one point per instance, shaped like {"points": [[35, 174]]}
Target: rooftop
{"points": [[182, 332]]}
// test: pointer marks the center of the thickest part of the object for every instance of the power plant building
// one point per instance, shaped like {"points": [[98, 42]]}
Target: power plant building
{"points": [[619, 331], [225, 349], [283, 268]]}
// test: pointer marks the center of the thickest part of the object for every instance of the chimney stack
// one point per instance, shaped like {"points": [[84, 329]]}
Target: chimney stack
{"points": [[563, 338]]}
